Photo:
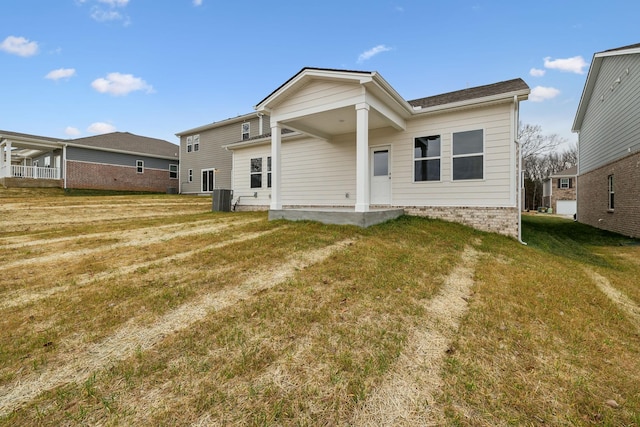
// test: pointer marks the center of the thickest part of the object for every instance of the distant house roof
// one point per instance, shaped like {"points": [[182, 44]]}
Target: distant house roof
{"points": [[572, 171], [6, 133], [514, 85], [125, 141]]}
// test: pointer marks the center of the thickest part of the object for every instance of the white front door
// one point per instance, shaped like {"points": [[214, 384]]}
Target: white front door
{"points": [[380, 176]]}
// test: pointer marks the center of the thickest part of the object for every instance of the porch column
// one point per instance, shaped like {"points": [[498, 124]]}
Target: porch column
{"points": [[7, 162], [276, 166], [362, 157]]}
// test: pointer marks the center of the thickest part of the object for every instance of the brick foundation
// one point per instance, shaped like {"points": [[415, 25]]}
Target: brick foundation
{"points": [[593, 197], [96, 176], [499, 220]]}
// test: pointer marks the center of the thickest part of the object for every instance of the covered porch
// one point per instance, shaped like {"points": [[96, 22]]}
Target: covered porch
{"points": [[323, 104], [29, 162]]}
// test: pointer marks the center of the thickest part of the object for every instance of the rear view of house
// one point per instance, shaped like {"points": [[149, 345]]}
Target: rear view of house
{"points": [[118, 161], [347, 140], [608, 124]]}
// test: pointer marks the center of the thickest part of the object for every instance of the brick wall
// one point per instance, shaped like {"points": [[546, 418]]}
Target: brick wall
{"points": [[496, 220], [593, 197], [96, 176], [561, 193]]}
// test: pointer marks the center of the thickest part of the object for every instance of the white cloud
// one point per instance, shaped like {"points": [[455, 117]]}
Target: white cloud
{"points": [[61, 73], [19, 46], [71, 131], [197, 2], [372, 52], [536, 72], [575, 64], [120, 84], [101, 127], [541, 93], [105, 15]]}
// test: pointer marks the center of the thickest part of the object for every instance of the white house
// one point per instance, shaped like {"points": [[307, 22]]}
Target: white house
{"points": [[346, 140]]}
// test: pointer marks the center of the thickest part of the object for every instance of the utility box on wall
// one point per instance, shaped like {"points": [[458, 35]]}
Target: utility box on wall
{"points": [[222, 200]]}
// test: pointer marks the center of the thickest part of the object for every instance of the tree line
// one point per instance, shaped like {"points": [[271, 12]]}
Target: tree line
{"points": [[542, 157]]}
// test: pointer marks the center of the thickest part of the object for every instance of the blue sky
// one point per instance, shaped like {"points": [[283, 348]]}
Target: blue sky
{"points": [[74, 68]]}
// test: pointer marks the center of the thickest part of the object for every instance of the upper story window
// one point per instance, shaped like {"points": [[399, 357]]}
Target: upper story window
{"points": [[189, 144], [173, 171], [564, 183], [256, 172], [468, 155], [426, 158], [196, 142], [140, 166], [611, 192], [246, 127]]}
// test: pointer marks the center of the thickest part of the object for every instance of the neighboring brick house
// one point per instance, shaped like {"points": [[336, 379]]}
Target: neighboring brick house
{"points": [[115, 161], [608, 126], [205, 163], [559, 192]]}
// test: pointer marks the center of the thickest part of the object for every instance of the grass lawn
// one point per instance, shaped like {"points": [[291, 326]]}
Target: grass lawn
{"points": [[152, 310]]}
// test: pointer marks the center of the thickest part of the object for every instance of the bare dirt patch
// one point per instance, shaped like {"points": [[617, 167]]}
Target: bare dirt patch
{"points": [[406, 396]]}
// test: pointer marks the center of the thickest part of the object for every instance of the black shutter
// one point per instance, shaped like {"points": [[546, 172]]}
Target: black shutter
{"points": [[570, 180], [559, 182]]}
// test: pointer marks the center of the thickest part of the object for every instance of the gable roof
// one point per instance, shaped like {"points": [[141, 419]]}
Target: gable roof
{"points": [[572, 171], [592, 77], [125, 141], [514, 85]]}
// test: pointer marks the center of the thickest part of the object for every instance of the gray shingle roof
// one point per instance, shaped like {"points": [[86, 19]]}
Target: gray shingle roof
{"points": [[26, 135], [125, 141], [471, 93]]}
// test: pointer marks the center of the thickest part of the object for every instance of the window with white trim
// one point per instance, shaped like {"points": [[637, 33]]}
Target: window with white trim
{"points": [[173, 171], [564, 183], [468, 155], [426, 158], [190, 175], [208, 179], [140, 166], [246, 127], [610, 192], [269, 172], [189, 144], [196, 142], [256, 172]]}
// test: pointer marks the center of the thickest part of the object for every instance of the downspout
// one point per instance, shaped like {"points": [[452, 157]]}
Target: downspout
{"points": [[519, 149]]}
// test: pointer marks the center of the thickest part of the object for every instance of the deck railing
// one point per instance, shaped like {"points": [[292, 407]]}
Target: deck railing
{"points": [[35, 172]]}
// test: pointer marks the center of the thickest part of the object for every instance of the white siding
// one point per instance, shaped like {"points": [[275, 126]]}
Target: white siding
{"points": [[320, 95], [320, 173], [611, 125]]}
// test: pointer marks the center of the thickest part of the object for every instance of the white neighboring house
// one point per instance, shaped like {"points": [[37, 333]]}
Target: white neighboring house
{"points": [[357, 144]]}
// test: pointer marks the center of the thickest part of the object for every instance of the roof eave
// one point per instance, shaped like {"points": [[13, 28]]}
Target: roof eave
{"points": [[521, 95], [217, 124]]}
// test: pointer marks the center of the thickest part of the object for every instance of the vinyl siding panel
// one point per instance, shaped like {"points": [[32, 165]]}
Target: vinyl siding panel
{"points": [[116, 159], [611, 125], [319, 94], [321, 173]]}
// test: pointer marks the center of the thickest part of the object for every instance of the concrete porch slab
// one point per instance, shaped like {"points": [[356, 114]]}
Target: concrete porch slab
{"points": [[340, 216]]}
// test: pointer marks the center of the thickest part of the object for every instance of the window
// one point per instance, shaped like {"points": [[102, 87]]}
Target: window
{"points": [[426, 158], [173, 171], [208, 180], [196, 142], [47, 162], [245, 130], [140, 166], [190, 175], [256, 173], [189, 144], [468, 155], [611, 204], [269, 172], [564, 183]]}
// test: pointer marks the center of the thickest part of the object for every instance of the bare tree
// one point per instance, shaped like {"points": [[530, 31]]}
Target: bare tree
{"points": [[539, 160]]}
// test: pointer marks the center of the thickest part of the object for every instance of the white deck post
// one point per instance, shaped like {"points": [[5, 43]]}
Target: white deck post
{"points": [[7, 162], [276, 166], [362, 157]]}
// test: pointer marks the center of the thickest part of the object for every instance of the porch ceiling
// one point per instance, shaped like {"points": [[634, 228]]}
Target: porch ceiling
{"points": [[339, 121]]}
